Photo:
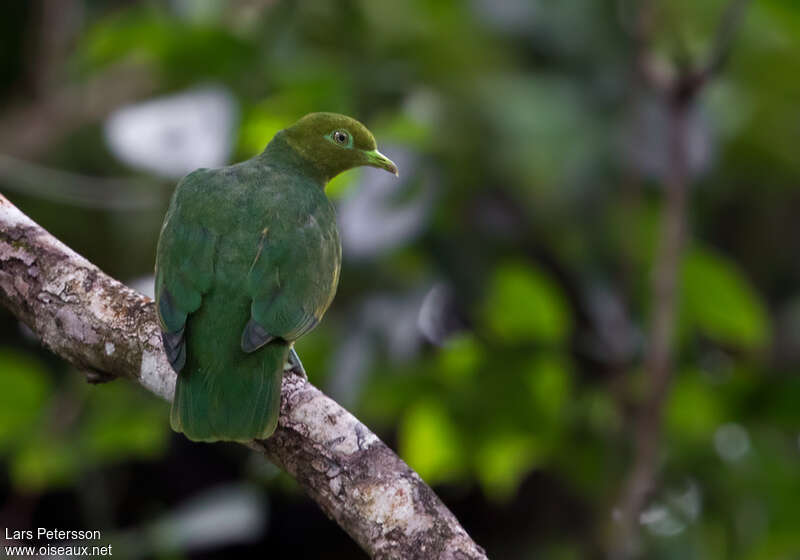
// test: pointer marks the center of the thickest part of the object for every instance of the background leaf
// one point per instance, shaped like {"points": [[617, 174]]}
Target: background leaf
{"points": [[718, 301]]}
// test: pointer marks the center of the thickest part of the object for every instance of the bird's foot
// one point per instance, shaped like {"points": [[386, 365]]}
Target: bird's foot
{"points": [[294, 365]]}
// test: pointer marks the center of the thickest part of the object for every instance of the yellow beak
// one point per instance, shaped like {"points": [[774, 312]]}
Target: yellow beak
{"points": [[377, 159]]}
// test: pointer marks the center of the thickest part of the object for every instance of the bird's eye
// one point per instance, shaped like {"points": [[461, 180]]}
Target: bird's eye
{"points": [[340, 137]]}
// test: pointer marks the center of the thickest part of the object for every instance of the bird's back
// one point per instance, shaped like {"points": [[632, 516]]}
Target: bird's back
{"points": [[260, 226]]}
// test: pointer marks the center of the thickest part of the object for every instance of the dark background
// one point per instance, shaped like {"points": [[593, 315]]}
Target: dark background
{"points": [[494, 308]]}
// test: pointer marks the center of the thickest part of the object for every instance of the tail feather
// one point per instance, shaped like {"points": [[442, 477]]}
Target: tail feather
{"points": [[238, 402]]}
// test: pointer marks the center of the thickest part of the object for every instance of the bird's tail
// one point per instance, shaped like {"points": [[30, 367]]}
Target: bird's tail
{"points": [[239, 401]]}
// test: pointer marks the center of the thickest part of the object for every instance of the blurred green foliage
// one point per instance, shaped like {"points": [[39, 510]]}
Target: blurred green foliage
{"points": [[54, 432], [524, 305], [719, 302], [546, 158]]}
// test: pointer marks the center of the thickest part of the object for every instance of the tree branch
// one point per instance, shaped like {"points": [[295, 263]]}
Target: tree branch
{"points": [[658, 362], [108, 330], [729, 24], [681, 92]]}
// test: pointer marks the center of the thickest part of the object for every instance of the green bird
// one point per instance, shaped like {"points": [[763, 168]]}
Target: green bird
{"points": [[248, 262]]}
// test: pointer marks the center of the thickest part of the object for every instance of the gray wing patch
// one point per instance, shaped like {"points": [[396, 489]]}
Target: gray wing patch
{"points": [[175, 348], [254, 337], [175, 341]]}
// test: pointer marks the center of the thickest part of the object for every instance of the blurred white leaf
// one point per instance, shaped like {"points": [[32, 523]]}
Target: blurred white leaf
{"points": [[660, 521], [732, 442], [372, 221], [438, 317], [171, 136], [688, 501], [387, 319], [220, 516]]}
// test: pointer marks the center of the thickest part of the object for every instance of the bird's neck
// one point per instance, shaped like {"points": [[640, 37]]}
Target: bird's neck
{"points": [[280, 153]]}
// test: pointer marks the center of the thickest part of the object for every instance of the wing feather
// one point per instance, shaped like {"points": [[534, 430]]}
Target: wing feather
{"points": [[293, 277], [184, 271]]}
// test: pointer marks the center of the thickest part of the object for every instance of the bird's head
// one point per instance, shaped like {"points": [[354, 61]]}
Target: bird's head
{"points": [[334, 143]]}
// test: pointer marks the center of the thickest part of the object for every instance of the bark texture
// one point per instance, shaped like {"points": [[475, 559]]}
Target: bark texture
{"points": [[109, 330]]}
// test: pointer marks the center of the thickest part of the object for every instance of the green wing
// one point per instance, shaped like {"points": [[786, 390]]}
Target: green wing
{"points": [[184, 269], [289, 283]]}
